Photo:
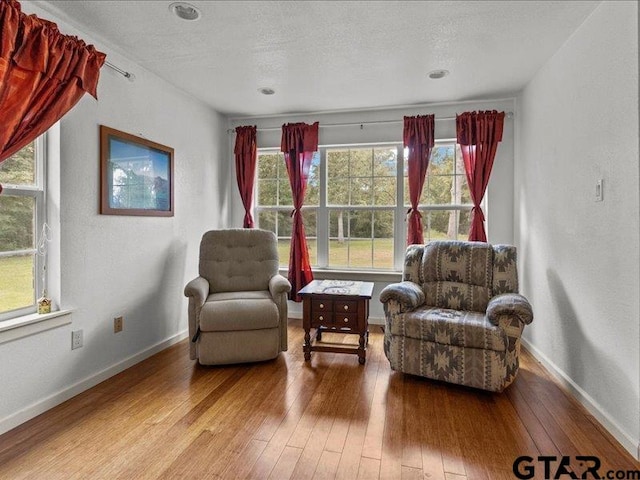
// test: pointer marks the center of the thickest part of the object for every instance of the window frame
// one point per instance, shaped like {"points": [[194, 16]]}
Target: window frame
{"points": [[323, 209], [38, 192]]}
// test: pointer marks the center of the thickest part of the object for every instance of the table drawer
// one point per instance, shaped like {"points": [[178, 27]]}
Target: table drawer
{"points": [[346, 320], [321, 318], [318, 305], [345, 306]]}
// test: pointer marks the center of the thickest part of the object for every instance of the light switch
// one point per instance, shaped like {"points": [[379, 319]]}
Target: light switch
{"points": [[599, 192]]}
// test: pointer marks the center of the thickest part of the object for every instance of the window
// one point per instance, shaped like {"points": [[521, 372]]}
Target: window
{"points": [[445, 203], [22, 214], [275, 203], [357, 200], [361, 198]]}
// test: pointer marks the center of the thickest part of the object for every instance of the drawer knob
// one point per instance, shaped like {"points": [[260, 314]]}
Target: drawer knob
{"points": [[320, 317], [322, 305], [346, 307], [346, 320]]}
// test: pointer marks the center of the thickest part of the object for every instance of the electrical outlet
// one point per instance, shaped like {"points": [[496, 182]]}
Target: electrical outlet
{"points": [[118, 324], [76, 339]]}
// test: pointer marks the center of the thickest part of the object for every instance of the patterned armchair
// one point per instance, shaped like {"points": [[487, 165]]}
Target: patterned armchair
{"points": [[456, 316]]}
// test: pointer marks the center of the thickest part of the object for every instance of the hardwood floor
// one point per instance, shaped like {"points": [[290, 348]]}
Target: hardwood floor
{"points": [[168, 418]]}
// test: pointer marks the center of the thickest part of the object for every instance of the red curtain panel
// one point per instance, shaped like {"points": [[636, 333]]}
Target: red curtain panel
{"points": [[43, 74], [246, 151], [478, 135], [299, 142], [418, 136]]}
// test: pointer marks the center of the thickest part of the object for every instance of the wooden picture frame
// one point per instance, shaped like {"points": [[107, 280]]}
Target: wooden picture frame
{"points": [[136, 175]]}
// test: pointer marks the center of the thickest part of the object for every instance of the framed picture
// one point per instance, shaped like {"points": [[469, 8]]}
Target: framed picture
{"points": [[136, 175]]}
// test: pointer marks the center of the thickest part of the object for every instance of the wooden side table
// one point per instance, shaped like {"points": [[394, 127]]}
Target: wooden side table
{"points": [[339, 307]]}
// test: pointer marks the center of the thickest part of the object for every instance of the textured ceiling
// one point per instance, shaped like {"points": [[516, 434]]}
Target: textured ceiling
{"points": [[327, 55]]}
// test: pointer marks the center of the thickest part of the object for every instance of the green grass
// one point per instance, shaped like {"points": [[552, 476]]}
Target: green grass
{"points": [[356, 254], [16, 282]]}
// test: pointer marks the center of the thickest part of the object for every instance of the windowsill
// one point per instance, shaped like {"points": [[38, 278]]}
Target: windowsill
{"points": [[33, 323], [364, 275]]}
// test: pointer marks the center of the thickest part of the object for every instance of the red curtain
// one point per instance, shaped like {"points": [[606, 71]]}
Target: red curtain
{"points": [[478, 135], [418, 136], [43, 74], [246, 151], [299, 142]]}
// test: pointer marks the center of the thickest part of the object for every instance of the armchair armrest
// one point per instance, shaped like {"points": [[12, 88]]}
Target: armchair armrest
{"points": [[512, 304], [278, 284], [409, 295], [198, 289]]}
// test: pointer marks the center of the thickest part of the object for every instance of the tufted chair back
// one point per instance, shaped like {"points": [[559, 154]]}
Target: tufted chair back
{"points": [[238, 259]]}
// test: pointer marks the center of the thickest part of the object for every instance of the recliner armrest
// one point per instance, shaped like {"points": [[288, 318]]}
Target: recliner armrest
{"points": [[198, 289], [278, 284], [512, 304], [408, 294]]}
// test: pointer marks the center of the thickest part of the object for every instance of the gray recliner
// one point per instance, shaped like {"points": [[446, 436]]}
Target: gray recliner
{"points": [[238, 303]]}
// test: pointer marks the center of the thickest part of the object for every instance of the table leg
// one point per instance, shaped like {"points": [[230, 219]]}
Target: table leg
{"points": [[307, 345], [361, 349]]}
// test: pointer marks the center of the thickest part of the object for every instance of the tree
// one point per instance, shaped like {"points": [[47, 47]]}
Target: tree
{"points": [[16, 212]]}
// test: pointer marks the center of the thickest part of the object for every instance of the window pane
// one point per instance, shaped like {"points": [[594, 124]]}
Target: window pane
{"points": [[361, 191], [384, 191], [338, 191], [312, 195], [20, 168], [310, 230], [267, 193], [284, 245], [385, 162], [284, 224], [361, 162], [383, 239], [17, 220], [464, 225], [446, 182], [337, 163], [338, 238], [284, 192], [360, 241], [17, 282], [268, 165], [267, 220], [446, 224], [465, 197], [350, 241]]}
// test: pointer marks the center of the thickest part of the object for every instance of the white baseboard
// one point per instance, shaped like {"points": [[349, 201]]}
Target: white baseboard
{"points": [[632, 445], [57, 398]]}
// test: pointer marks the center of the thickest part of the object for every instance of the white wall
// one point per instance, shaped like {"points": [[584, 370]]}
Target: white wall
{"points": [[119, 265], [577, 122], [499, 196]]}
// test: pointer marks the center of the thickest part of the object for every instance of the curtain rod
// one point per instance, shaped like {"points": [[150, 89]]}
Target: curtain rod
{"points": [[355, 124], [128, 75]]}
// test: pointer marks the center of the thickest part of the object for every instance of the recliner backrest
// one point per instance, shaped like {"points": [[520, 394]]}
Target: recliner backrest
{"points": [[461, 275], [238, 259], [505, 269], [457, 275]]}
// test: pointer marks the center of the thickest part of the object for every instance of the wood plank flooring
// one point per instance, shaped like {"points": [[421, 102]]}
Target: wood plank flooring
{"points": [[168, 418]]}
